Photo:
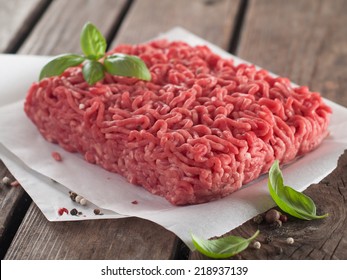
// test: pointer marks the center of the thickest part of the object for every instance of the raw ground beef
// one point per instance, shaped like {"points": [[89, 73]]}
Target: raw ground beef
{"points": [[199, 130]]}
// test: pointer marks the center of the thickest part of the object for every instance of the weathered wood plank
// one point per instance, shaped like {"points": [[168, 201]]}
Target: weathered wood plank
{"points": [[260, 29], [130, 238], [212, 20], [305, 41], [58, 32], [16, 17], [59, 29], [65, 238], [316, 239], [14, 202]]}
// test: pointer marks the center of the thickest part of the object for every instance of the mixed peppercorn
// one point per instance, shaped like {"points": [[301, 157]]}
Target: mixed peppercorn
{"points": [[275, 219], [80, 200]]}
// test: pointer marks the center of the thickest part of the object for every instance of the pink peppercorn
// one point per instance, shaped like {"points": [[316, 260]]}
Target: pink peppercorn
{"points": [[56, 156], [283, 218], [63, 210], [15, 183], [134, 202]]}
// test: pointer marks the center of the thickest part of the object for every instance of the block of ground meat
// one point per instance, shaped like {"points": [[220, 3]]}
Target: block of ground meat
{"points": [[199, 130]]}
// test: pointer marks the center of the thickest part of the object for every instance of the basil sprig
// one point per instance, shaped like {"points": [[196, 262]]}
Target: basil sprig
{"points": [[224, 247], [289, 200], [93, 45]]}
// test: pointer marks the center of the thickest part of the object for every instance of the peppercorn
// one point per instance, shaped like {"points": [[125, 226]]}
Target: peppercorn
{"points": [[74, 212], [15, 183], [277, 224], [97, 211], [78, 198], [73, 195], [258, 219], [272, 216], [6, 181], [63, 210], [83, 201], [283, 218], [257, 245], [268, 239], [290, 240], [56, 156]]}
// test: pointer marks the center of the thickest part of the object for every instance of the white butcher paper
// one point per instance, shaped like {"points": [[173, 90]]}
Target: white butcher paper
{"points": [[28, 157]]}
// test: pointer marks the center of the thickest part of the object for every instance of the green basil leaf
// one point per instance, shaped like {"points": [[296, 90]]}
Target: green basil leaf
{"points": [[93, 71], [127, 65], [289, 200], [93, 44], [59, 64], [224, 247]]}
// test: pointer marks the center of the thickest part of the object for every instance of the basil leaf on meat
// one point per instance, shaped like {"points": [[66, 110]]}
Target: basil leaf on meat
{"points": [[127, 65], [59, 64], [93, 71], [93, 43]]}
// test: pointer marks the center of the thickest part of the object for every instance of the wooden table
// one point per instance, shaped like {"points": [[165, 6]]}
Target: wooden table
{"points": [[303, 40]]}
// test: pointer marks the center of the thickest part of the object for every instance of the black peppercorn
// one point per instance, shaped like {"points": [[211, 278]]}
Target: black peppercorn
{"points": [[258, 219], [74, 212], [268, 239], [73, 196], [283, 218], [272, 216], [276, 224]]}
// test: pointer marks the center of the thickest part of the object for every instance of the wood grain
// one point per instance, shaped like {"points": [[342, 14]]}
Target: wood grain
{"points": [[316, 239], [16, 18], [130, 238], [50, 39], [14, 202], [305, 41], [58, 31], [212, 20]]}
